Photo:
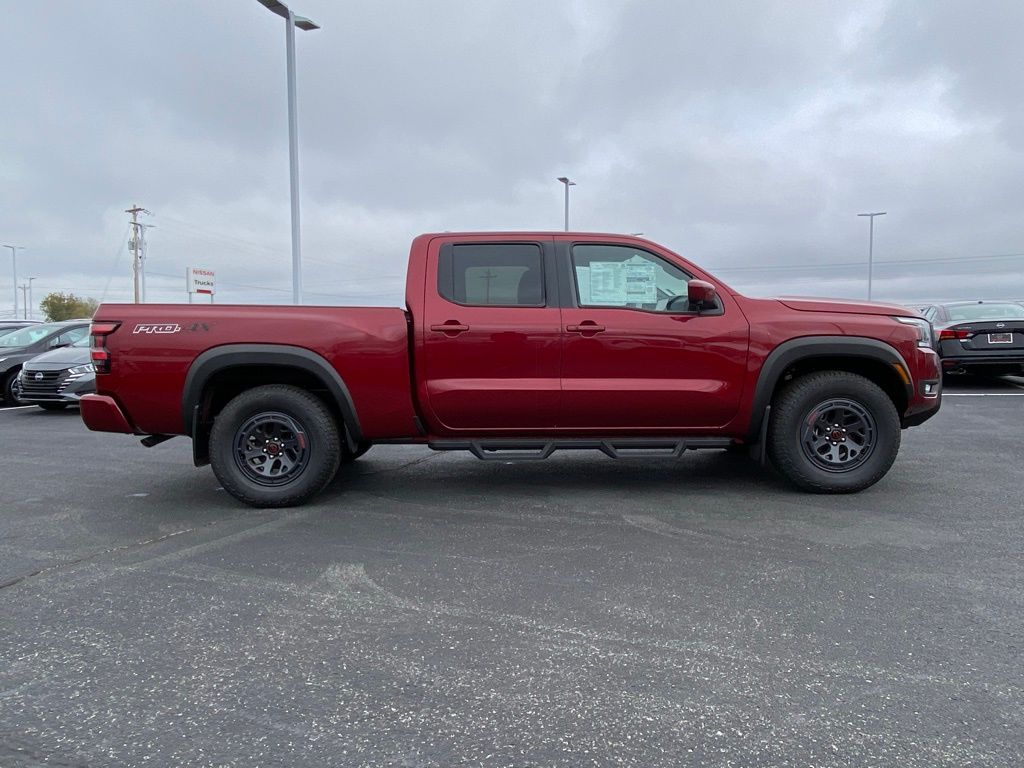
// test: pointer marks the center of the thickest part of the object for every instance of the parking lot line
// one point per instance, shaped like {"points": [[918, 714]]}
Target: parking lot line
{"points": [[983, 394], [16, 408]]}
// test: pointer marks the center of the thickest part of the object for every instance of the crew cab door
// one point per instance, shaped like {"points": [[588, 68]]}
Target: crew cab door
{"points": [[634, 359], [491, 335]]}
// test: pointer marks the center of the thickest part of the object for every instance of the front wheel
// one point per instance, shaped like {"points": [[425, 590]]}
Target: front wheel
{"points": [[12, 389], [274, 446], [833, 432]]}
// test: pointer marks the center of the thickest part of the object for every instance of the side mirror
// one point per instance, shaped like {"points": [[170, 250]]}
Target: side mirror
{"points": [[701, 295]]}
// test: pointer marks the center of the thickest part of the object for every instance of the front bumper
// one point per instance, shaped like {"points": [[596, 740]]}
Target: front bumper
{"points": [[55, 387], [924, 389], [102, 414]]}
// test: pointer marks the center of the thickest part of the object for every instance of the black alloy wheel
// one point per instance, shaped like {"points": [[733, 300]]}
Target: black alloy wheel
{"points": [[839, 435], [274, 446], [833, 432], [271, 448]]}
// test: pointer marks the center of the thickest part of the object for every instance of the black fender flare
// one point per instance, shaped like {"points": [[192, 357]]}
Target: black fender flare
{"points": [[217, 359], [795, 350]]}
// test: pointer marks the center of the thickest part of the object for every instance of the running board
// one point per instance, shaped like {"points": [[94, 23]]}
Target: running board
{"points": [[525, 449]]}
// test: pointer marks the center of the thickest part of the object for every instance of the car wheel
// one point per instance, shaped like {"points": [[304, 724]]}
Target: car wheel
{"points": [[52, 406], [274, 446], [12, 389], [833, 432]]}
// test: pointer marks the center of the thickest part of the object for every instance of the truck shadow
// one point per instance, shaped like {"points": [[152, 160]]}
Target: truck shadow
{"points": [[565, 478]]}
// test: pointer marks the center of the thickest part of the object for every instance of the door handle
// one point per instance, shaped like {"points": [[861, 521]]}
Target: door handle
{"points": [[587, 326], [451, 328]]}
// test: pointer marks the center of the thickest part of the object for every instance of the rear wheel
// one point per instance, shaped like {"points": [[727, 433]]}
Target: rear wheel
{"points": [[833, 432], [274, 446]]}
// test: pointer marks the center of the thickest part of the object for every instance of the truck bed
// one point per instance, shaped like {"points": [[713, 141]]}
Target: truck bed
{"points": [[156, 344]]}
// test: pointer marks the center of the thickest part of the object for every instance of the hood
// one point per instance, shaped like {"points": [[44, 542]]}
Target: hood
{"points": [[846, 306], [19, 352], [56, 359]]}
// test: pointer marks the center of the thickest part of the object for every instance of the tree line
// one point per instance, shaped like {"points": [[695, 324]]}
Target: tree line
{"points": [[59, 306]]}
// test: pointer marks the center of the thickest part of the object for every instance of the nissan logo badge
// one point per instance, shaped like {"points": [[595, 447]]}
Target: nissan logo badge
{"points": [[39, 377]]}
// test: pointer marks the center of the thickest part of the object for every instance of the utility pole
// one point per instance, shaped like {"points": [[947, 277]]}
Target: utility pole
{"points": [[871, 244], [28, 311], [136, 244], [24, 298], [14, 272], [142, 256]]}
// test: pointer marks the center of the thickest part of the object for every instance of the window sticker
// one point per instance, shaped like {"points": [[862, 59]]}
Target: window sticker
{"points": [[640, 281], [607, 283]]}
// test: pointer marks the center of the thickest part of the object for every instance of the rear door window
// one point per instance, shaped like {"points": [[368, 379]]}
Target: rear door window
{"points": [[492, 274]]}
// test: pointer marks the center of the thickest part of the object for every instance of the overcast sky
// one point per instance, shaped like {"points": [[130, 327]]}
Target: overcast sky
{"points": [[745, 136]]}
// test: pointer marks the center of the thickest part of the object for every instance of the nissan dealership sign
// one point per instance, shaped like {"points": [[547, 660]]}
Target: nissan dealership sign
{"points": [[199, 280]]}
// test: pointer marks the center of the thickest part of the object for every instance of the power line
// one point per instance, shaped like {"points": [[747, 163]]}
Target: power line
{"points": [[891, 262]]}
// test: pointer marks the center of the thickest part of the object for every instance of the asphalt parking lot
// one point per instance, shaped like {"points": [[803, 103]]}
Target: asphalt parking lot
{"points": [[434, 610]]}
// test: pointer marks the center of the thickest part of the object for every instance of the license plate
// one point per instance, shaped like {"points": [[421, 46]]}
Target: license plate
{"points": [[1000, 338]]}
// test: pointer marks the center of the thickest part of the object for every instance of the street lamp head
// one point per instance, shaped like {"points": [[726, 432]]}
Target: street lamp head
{"points": [[879, 213], [275, 6], [565, 180]]}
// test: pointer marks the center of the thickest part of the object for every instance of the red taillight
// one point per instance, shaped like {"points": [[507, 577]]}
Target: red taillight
{"points": [[954, 333], [99, 352]]}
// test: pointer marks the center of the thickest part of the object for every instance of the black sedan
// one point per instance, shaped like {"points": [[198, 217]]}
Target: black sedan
{"points": [[979, 336], [58, 378], [21, 346]]}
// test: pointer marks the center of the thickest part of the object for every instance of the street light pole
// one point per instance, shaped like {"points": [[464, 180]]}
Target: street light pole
{"points": [[565, 180], [14, 273], [292, 21], [871, 244]]}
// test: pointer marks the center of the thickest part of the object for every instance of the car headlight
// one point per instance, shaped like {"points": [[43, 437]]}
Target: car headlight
{"points": [[79, 370], [925, 334]]}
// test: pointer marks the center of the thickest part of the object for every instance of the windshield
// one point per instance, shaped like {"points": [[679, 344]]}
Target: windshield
{"points": [[30, 335], [85, 341], [959, 313]]}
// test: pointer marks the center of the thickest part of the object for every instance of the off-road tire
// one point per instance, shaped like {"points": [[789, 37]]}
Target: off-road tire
{"points": [[316, 426], [793, 409]]}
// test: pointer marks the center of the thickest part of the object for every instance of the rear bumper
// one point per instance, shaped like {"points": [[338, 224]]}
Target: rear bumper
{"points": [[955, 355], [1016, 357], [102, 414]]}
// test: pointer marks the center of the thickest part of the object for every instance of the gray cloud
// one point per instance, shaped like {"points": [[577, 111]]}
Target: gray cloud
{"points": [[745, 136]]}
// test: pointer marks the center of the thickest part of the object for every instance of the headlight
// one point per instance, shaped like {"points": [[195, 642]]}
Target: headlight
{"points": [[79, 370], [925, 335]]}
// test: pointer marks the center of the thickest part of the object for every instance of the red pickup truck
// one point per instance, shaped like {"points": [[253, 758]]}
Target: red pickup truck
{"points": [[515, 345]]}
